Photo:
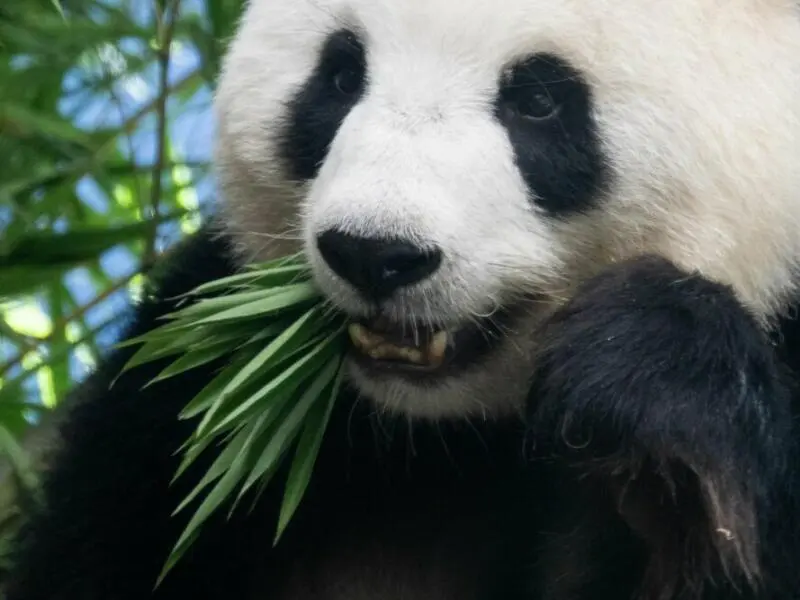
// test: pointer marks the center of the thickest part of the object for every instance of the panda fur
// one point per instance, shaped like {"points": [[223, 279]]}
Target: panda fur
{"points": [[610, 191]]}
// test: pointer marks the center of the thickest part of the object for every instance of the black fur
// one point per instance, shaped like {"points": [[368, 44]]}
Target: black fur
{"points": [[317, 110], [646, 359], [546, 107], [660, 383]]}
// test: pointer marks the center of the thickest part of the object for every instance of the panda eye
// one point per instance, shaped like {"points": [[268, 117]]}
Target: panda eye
{"points": [[348, 81], [538, 106], [344, 64]]}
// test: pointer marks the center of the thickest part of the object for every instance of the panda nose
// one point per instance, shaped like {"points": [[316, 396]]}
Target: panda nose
{"points": [[377, 267]]}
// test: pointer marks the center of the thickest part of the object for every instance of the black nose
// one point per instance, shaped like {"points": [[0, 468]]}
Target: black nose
{"points": [[377, 267]]}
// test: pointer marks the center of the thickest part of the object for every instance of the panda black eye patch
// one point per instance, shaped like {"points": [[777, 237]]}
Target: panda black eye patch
{"points": [[318, 108], [545, 106]]}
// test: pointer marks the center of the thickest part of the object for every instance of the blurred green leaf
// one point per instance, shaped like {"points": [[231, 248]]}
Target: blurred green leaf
{"points": [[77, 245], [19, 120], [80, 104]]}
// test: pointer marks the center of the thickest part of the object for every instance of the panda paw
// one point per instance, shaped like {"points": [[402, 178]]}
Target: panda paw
{"points": [[660, 385]]}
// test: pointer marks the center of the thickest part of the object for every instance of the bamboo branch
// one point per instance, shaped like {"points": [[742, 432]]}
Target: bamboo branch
{"points": [[77, 314], [81, 166], [167, 29]]}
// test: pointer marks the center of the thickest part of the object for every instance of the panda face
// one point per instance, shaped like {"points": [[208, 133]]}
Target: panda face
{"points": [[452, 170]]}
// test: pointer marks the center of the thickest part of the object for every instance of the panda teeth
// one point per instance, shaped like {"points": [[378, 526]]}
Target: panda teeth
{"points": [[377, 347], [437, 348], [363, 338]]}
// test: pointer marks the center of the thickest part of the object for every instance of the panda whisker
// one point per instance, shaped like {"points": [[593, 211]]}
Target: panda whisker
{"points": [[288, 235], [476, 431], [359, 397], [428, 314]]}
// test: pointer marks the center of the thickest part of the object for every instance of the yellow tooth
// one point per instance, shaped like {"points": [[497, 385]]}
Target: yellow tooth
{"points": [[437, 348], [357, 335], [377, 353], [362, 337], [411, 355]]}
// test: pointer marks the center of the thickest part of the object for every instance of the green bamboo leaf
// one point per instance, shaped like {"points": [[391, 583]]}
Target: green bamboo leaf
{"points": [[211, 392], [31, 122], [285, 353], [212, 401], [18, 458], [163, 333], [275, 277], [81, 243], [57, 5], [279, 343], [191, 451], [236, 448], [232, 474], [281, 276], [158, 345], [20, 280], [13, 416], [191, 337], [288, 296], [282, 261], [148, 353], [308, 447], [223, 284], [279, 440], [290, 378], [175, 556], [210, 306], [241, 406], [193, 359], [57, 298]]}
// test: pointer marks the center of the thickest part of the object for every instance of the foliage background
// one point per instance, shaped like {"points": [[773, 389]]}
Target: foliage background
{"points": [[105, 137]]}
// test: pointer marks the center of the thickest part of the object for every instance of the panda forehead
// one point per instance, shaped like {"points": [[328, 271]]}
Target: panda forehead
{"points": [[473, 34], [472, 30], [598, 37]]}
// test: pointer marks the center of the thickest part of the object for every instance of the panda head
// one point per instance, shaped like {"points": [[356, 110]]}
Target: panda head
{"points": [[453, 169]]}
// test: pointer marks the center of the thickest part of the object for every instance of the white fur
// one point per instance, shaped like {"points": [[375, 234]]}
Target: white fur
{"points": [[698, 106]]}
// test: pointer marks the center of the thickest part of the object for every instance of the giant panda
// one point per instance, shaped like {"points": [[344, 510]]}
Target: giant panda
{"points": [[573, 227]]}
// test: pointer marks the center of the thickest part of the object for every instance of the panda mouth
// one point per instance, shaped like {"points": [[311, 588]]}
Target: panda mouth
{"points": [[407, 345], [411, 348]]}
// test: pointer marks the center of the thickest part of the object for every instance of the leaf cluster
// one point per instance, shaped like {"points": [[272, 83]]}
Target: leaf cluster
{"points": [[282, 350]]}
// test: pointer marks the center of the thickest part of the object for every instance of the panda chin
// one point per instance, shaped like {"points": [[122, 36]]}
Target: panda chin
{"points": [[383, 348]]}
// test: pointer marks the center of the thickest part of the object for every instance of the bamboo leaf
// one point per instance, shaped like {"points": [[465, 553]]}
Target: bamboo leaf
{"points": [[19, 459], [76, 245], [30, 122], [308, 447], [288, 379], [236, 458], [211, 306], [209, 394], [275, 277], [192, 360], [278, 344], [280, 439], [291, 295]]}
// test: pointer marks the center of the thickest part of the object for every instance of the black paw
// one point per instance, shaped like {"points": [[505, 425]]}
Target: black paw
{"points": [[662, 385]]}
